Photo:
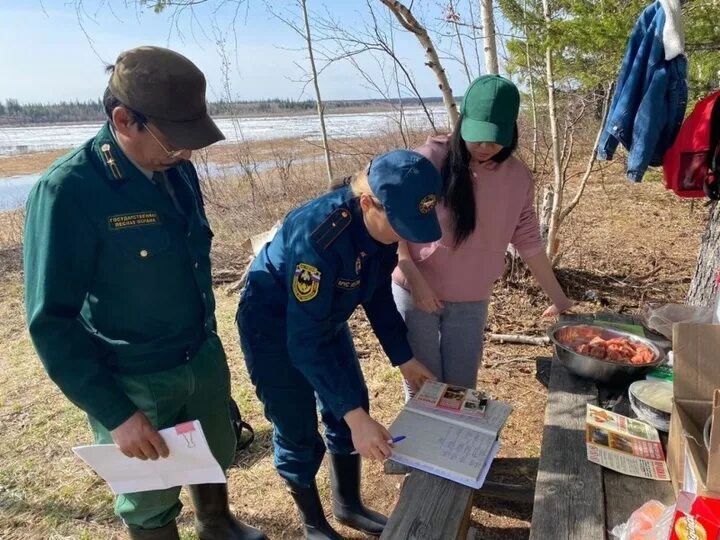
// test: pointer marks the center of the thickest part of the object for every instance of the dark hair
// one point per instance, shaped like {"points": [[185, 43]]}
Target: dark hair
{"points": [[457, 192], [110, 103]]}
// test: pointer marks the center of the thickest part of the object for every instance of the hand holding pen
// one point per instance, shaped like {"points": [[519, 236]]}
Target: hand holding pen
{"points": [[391, 442]]}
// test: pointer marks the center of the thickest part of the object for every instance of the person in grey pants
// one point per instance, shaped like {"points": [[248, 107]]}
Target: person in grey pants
{"points": [[453, 333], [443, 288]]}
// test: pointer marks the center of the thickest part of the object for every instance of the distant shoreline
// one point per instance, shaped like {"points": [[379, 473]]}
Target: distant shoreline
{"points": [[336, 111]]}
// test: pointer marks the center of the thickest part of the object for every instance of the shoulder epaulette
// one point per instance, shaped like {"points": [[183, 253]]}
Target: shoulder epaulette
{"points": [[326, 233], [110, 161]]}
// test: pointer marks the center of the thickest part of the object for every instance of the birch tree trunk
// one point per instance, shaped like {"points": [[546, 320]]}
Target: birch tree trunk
{"points": [[533, 105], [411, 24], [553, 240], [474, 33], [702, 287], [490, 45], [318, 98]]}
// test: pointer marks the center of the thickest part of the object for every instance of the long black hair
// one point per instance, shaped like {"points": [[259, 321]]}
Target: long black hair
{"points": [[457, 193]]}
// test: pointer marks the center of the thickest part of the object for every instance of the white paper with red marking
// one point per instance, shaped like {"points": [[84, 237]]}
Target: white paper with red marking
{"points": [[190, 462]]}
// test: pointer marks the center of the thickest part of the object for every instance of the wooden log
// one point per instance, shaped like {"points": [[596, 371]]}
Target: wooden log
{"points": [[516, 338]]}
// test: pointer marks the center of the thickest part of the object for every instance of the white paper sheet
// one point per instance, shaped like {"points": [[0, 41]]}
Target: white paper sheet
{"points": [[444, 449], [475, 484], [190, 462]]}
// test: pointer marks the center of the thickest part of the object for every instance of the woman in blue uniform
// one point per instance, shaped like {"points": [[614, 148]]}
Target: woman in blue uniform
{"points": [[331, 255]]}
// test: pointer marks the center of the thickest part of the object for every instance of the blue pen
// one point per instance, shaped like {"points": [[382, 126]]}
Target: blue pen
{"points": [[391, 441]]}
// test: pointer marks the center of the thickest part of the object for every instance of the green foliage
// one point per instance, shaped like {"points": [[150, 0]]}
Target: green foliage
{"points": [[589, 37], [702, 28], [156, 5]]}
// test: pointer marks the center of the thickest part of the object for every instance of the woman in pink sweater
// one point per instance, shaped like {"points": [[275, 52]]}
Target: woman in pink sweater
{"points": [[442, 289]]}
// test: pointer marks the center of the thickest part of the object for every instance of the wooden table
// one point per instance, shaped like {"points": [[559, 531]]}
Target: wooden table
{"points": [[574, 498]]}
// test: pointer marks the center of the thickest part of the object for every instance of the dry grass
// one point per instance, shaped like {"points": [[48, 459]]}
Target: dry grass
{"points": [[11, 228], [627, 242], [22, 164]]}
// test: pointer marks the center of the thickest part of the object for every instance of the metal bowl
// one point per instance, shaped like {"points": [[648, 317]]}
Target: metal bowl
{"points": [[595, 368]]}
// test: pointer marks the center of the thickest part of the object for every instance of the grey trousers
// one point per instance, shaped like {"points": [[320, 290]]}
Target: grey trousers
{"points": [[449, 342]]}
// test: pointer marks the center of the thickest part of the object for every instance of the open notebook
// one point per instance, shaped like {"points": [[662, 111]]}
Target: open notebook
{"points": [[450, 432]]}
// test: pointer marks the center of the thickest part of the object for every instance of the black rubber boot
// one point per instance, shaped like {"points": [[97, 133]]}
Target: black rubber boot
{"points": [[168, 532], [347, 504], [312, 515], [213, 520]]}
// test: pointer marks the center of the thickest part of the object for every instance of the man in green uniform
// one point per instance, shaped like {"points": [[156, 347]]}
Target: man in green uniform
{"points": [[118, 289]]}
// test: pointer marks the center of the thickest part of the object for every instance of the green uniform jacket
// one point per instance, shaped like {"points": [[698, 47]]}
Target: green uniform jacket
{"points": [[116, 279]]}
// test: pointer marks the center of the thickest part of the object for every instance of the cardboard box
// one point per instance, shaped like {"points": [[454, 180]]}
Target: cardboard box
{"points": [[696, 396]]}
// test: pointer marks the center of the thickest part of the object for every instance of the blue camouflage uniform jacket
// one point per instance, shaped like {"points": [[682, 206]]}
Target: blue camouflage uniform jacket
{"points": [[307, 282]]}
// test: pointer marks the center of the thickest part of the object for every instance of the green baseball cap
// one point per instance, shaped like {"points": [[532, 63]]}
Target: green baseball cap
{"points": [[490, 109], [169, 90]]}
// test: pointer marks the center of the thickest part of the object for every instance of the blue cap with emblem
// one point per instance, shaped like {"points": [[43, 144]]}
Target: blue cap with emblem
{"points": [[408, 185]]}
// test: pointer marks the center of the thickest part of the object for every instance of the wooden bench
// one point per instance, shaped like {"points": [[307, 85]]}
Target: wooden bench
{"points": [[430, 508], [433, 508], [574, 498]]}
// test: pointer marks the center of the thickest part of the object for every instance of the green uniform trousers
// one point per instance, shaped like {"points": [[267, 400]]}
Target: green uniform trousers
{"points": [[198, 390]]}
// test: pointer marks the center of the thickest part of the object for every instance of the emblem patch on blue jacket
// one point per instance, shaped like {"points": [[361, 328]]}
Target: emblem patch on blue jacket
{"points": [[306, 282]]}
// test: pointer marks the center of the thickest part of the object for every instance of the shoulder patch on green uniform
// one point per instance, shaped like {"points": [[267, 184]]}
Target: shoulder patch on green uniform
{"points": [[138, 219], [110, 161], [326, 233]]}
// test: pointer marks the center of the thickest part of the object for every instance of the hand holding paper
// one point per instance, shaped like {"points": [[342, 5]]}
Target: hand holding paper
{"points": [[136, 437], [189, 462]]}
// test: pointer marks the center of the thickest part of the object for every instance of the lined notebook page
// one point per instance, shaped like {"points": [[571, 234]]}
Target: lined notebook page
{"points": [[444, 446]]}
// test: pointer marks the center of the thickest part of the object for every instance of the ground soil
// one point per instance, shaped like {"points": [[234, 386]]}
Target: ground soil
{"points": [[624, 245]]}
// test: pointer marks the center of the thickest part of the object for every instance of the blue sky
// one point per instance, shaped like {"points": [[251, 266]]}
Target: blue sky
{"points": [[47, 56]]}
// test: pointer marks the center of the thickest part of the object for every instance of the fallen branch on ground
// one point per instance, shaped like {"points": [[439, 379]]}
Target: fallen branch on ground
{"points": [[515, 338]]}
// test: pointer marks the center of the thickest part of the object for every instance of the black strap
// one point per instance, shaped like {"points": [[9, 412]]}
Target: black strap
{"points": [[242, 445], [239, 425]]}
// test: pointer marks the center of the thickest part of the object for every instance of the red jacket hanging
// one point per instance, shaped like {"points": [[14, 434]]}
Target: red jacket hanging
{"points": [[690, 168]]}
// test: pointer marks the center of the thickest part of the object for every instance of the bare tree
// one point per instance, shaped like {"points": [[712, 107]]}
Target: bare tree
{"points": [[533, 102], [453, 17], [304, 32], [490, 46], [474, 36], [411, 24], [318, 97], [554, 226], [348, 44], [607, 91]]}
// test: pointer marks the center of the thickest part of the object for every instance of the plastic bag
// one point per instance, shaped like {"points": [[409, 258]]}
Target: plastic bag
{"points": [[662, 317], [652, 521]]}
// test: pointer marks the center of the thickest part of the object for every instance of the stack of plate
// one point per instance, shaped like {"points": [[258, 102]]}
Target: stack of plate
{"points": [[651, 401]]}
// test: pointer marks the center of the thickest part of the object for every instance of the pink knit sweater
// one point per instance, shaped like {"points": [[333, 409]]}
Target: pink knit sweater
{"points": [[504, 203]]}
